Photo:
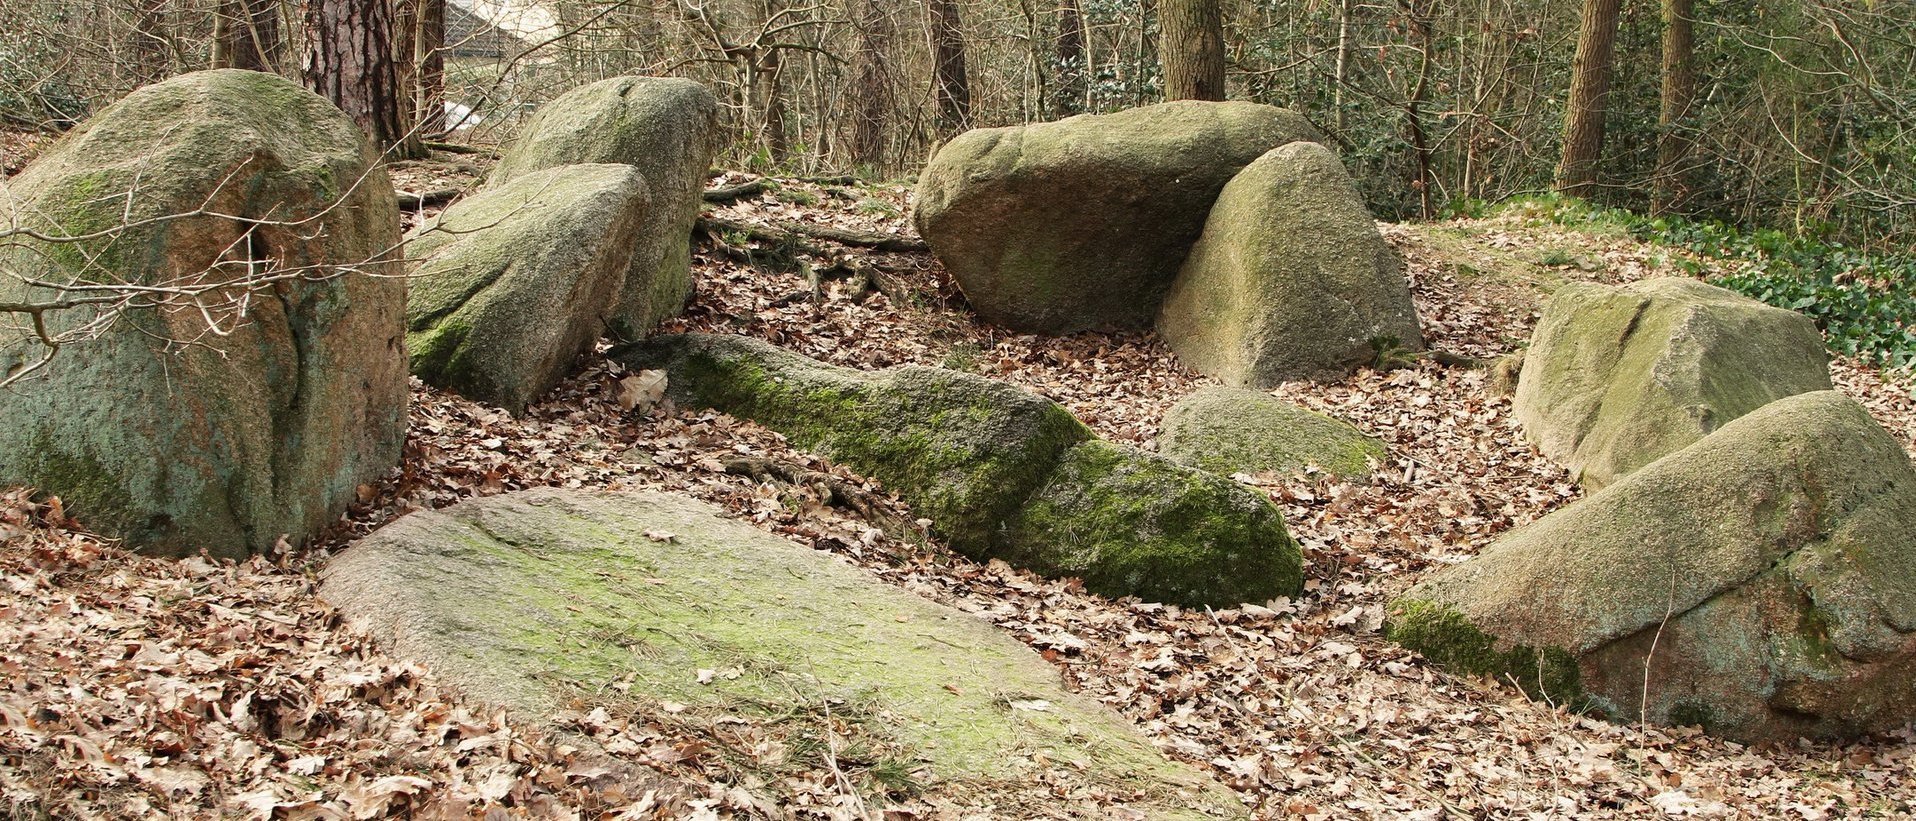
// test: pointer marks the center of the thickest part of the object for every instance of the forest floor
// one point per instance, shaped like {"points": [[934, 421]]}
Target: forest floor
{"points": [[137, 687]]}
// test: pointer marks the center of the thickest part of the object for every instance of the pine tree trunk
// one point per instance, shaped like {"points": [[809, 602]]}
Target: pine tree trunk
{"points": [[1070, 97], [1589, 99], [1192, 49], [1674, 140], [246, 35], [349, 61], [871, 84], [950, 85]]}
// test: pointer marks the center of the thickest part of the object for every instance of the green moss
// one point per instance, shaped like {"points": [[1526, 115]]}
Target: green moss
{"points": [[1446, 637], [1230, 430], [439, 355], [89, 489]]}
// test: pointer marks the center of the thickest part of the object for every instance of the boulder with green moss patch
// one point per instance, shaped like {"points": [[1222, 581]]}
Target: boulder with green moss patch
{"points": [[1082, 223], [668, 128], [1618, 376], [1290, 279], [1001, 472], [550, 599], [183, 430], [1232, 430], [1760, 582], [511, 285]]}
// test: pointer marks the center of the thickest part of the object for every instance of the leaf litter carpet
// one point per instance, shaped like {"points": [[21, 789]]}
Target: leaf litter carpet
{"points": [[134, 687]]}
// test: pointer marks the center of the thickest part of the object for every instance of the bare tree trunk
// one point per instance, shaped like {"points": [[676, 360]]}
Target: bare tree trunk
{"points": [[1192, 49], [950, 86], [871, 84], [1341, 117], [246, 35], [429, 58], [1070, 97], [150, 52], [405, 49], [1589, 99], [349, 61], [1421, 26], [1672, 189]]}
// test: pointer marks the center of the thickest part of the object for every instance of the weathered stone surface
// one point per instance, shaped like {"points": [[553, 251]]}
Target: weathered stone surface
{"points": [[1290, 279], [1232, 430], [666, 127], [225, 444], [1001, 472], [1764, 575], [1082, 223], [1618, 376], [511, 285], [534, 599]]}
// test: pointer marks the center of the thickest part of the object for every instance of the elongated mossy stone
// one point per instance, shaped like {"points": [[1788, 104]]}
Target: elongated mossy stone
{"points": [[1616, 377], [1082, 223], [511, 285], [1232, 430], [1001, 472], [668, 128], [181, 431], [1763, 579], [540, 598], [1290, 280]]}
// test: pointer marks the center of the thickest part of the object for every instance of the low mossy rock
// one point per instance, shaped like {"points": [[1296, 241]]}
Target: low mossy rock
{"points": [[1082, 223], [1000, 472], [1616, 377], [1763, 579], [1232, 430], [161, 429], [511, 285], [668, 128], [543, 599], [1290, 280]]}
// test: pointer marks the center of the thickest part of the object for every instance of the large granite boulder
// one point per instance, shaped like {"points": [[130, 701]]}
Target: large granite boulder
{"points": [[1760, 582], [273, 384], [511, 285], [1290, 280], [539, 598], [1232, 430], [1001, 472], [1082, 223], [1618, 376], [667, 128]]}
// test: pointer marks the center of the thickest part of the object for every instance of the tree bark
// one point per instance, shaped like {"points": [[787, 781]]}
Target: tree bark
{"points": [[1674, 140], [871, 84], [1422, 32], [950, 85], [429, 59], [1070, 96], [246, 34], [349, 61], [1589, 99], [1193, 49]]}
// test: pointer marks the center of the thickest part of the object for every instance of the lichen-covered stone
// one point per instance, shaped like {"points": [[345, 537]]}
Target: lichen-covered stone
{"points": [[214, 442], [511, 285], [1290, 280], [539, 598], [1763, 577], [1137, 524], [1082, 223], [1232, 430], [974, 455], [1618, 376], [668, 128]]}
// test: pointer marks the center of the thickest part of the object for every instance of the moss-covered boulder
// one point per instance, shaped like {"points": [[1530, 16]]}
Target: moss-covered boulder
{"points": [[181, 429], [510, 286], [1001, 472], [666, 127], [1763, 579], [1232, 430], [1290, 279], [542, 598], [1082, 223], [1618, 376]]}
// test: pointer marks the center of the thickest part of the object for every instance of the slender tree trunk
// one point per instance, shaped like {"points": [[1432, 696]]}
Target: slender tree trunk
{"points": [[1679, 94], [1192, 49], [1342, 77], [1070, 97], [1589, 99], [871, 84], [1421, 30], [429, 58], [405, 50], [349, 61], [151, 61], [950, 86], [246, 35]]}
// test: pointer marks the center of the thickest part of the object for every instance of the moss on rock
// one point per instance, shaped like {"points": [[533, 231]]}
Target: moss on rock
{"points": [[1231, 430]]}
